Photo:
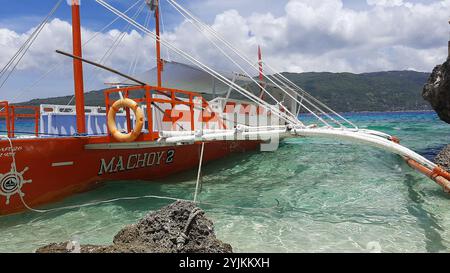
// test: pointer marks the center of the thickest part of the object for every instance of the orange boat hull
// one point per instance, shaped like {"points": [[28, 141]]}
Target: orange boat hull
{"points": [[47, 170]]}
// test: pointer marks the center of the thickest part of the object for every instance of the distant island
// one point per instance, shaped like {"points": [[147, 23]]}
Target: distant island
{"points": [[343, 92], [378, 91]]}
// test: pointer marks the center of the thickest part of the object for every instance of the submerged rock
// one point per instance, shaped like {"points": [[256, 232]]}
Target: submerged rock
{"points": [[179, 227], [437, 90], [443, 158]]}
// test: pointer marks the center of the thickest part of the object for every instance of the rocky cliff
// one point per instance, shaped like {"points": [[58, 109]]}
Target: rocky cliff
{"points": [[437, 90]]}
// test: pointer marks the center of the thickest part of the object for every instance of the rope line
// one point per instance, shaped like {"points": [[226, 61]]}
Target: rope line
{"points": [[133, 64], [183, 237], [199, 64], [117, 41], [61, 62], [11, 61], [206, 27], [197, 185], [201, 26], [294, 119], [133, 198], [130, 198], [164, 30], [26, 46]]}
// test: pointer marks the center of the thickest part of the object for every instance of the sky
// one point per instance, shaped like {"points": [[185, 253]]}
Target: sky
{"points": [[355, 36]]}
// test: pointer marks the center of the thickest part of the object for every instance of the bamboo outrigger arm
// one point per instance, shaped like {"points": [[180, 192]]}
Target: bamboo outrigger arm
{"points": [[369, 137], [387, 143]]}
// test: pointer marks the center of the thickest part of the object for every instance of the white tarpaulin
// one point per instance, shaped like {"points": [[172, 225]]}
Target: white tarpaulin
{"points": [[185, 77]]}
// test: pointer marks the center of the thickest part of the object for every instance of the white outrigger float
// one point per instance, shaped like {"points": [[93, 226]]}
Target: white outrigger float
{"points": [[171, 125]]}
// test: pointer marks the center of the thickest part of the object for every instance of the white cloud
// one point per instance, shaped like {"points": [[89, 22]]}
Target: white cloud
{"points": [[325, 36], [309, 35], [386, 3]]}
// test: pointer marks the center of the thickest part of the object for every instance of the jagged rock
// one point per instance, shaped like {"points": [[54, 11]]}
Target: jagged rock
{"points": [[443, 158], [437, 90], [120, 248], [159, 232]]}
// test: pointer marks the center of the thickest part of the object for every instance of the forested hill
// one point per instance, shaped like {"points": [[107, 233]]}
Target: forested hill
{"points": [[379, 91], [344, 92]]}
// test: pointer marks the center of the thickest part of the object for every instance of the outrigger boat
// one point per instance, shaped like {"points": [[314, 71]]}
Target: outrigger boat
{"points": [[153, 126]]}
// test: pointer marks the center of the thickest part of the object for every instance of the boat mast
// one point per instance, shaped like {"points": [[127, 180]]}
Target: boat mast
{"points": [[260, 62], [261, 72], [154, 6], [78, 68]]}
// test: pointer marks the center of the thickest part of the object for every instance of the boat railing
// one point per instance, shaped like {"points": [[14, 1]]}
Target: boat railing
{"points": [[33, 115], [4, 113], [51, 109], [12, 112], [151, 98], [60, 120], [158, 104]]}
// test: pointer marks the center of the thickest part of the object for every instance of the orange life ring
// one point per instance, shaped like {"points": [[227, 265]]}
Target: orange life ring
{"points": [[139, 114]]}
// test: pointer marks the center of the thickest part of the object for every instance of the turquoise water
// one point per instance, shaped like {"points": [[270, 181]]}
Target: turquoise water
{"points": [[333, 197]]}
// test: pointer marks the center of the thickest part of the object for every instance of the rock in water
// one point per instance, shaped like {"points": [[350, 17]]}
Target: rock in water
{"points": [[179, 227], [437, 90], [443, 158]]}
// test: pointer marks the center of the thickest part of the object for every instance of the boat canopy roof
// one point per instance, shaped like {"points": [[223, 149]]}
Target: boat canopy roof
{"points": [[186, 77]]}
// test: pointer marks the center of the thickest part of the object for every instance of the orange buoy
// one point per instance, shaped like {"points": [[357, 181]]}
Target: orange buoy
{"points": [[139, 114]]}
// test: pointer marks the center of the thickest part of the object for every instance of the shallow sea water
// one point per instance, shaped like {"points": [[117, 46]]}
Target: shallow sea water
{"points": [[312, 195]]}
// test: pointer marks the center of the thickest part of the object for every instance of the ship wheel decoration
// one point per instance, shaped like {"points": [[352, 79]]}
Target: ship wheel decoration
{"points": [[11, 183]]}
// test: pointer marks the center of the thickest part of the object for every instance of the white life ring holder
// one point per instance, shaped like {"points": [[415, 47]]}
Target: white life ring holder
{"points": [[112, 126]]}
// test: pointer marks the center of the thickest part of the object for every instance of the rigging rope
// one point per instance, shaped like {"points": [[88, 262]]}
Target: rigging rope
{"points": [[11, 61], [199, 173], [200, 65], [129, 198], [295, 120], [183, 237], [26, 46], [304, 93], [164, 30], [206, 27], [133, 64], [117, 41], [117, 199], [61, 62]]}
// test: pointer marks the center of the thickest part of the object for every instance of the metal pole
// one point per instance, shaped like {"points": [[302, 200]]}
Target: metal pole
{"points": [[78, 68]]}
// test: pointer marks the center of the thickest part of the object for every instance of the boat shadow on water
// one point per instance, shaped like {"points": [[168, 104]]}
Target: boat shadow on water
{"points": [[426, 220]]}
